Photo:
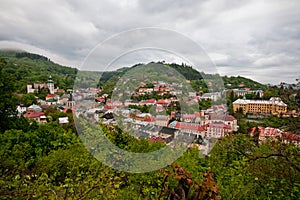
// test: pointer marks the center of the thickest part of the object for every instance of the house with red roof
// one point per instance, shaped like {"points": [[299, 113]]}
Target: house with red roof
{"points": [[109, 107], [159, 108], [150, 119], [37, 116], [162, 102], [164, 89], [275, 133], [100, 99], [51, 99], [150, 102], [218, 130], [225, 119], [191, 128], [145, 90], [211, 130], [156, 139], [51, 96], [188, 117], [156, 88]]}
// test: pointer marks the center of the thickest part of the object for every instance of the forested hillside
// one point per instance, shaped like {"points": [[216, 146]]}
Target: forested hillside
{"points": [[28, 68], [232, 82]]}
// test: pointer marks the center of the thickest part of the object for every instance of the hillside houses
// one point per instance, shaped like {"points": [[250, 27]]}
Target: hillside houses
{"points": [[264, 133]]}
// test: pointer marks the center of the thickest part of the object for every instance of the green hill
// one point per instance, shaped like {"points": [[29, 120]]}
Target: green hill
{"points": [[242, 82], [109, 79], [29, 68]]}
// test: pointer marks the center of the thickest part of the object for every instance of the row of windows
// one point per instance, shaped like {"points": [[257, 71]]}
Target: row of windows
{"points": [[259, 108]]}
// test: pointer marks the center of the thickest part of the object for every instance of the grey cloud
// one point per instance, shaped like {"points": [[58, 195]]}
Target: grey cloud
{"points": [[251, 35]]}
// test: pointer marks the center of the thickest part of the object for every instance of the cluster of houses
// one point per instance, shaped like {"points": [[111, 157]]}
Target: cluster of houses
{"points": [[200, 126], [35, 112], [265, 133], [63, 103], [213, 122]]}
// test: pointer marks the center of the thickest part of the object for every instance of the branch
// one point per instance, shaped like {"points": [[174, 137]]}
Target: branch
{"points": [[254, 158]]}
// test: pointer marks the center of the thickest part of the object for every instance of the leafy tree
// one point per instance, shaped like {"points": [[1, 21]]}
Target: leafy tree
{"points": [[28, 99], [245, 170], [7, 99]]}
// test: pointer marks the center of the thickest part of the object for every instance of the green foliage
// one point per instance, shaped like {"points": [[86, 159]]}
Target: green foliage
{"points": [[7, 99], [153, 95], [143, 109], [289, 96], [287, 123], [187, 71], [47, 161], [29, 68], [199, 85], [245, 170], [204, 104], [234, 82], [28, 99], [291, 124]]}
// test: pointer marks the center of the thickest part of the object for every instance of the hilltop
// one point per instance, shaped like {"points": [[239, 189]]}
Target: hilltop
{"points": [[241, 82]]}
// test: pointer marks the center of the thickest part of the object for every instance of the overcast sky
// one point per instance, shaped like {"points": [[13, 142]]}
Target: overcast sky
{"points": [[257, 39]]}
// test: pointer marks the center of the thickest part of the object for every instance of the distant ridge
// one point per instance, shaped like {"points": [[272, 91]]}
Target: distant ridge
{"points": [[29, 68]]}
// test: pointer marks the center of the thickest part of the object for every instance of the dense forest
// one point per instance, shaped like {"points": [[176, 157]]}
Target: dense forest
{"points": [[49, 161]]}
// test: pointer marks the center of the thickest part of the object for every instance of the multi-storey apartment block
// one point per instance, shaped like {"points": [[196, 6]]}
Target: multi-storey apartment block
{"points": [[273, 106]]}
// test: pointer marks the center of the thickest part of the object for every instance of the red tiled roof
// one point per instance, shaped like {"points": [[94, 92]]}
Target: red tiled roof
{"points": [[161, 101], [229, 118], [143, 89], [156, 139], [151, 101], [50, 96], [198, 114], [33, 114], [106, 107], [149, 119], [100, 99], [189, 116], [252, 130], [291, 136], [189, 126], [224, 117]]}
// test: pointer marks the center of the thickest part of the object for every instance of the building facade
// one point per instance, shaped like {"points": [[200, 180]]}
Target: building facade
{"points": [[273, 106], [37, 86]]}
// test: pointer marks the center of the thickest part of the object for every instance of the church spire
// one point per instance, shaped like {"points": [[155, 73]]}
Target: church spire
{"points": [[50, 85]]}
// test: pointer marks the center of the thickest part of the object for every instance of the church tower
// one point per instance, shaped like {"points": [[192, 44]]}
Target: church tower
{"points": [[71, 101], [50, 85]]}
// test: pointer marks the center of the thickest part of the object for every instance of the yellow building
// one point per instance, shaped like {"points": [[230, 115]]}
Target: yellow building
{"points": [[273, 106]]}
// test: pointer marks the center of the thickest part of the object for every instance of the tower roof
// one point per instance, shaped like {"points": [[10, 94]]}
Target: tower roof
{"points": [[50, 79]]}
